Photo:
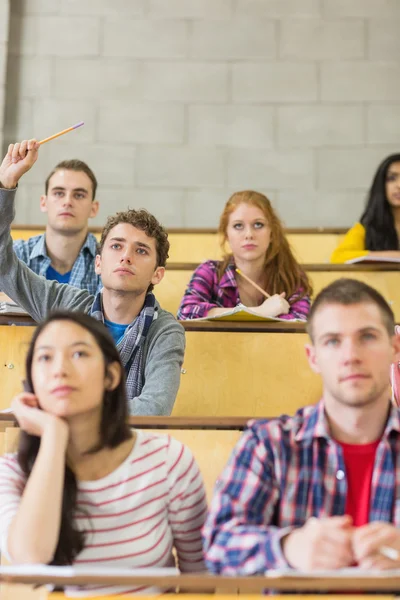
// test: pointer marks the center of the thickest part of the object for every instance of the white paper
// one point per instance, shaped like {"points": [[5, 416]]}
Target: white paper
{"points": [[367, 259], [10, 308], [67, 572], [348, 573]]}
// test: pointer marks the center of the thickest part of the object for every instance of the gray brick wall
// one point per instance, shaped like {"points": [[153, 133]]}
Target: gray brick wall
{"points": [[4, 30], [186, 101]]}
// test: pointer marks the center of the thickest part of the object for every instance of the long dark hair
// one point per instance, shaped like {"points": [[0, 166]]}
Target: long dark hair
{"points": [[380, 230], [114, 429]]}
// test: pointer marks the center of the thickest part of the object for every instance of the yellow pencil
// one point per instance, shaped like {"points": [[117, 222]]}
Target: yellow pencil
{"points": [[252, 283], [52, 137]]}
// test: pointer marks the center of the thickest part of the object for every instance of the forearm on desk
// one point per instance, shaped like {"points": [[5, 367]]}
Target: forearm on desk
{"points": [[34, 531]]}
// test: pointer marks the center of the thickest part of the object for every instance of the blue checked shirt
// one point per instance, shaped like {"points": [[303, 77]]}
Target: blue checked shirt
{"points": [[281, 473], [33, 253]]}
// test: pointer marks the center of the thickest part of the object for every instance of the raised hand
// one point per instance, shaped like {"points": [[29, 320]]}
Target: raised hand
{"points": [[19, 159]]}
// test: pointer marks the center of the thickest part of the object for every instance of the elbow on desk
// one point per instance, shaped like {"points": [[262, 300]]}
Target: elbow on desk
{"points": [[28, 554]]}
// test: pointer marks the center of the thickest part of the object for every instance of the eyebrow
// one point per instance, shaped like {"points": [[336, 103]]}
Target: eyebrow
{"points": [[47, 347], [253, 220], [60, 188], [121, 239], [143, 245], [362, 330]]}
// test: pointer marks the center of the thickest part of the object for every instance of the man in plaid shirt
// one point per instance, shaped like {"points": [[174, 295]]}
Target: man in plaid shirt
{"points": [[66, 252], [320, 490]]}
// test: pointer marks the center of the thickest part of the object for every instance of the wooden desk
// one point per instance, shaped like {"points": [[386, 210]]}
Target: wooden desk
{"points": [[14, 342], [232, 372], [386, 279], [228, 371], [25, 592], [227, 596], [224, 584]]}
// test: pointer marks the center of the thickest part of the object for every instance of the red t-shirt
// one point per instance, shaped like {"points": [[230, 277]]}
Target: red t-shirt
{"points": [[359, 460]]}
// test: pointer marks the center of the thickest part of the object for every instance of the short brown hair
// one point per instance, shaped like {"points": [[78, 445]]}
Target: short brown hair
{"points": [[145, 221], [73, 165], [351, 291]]}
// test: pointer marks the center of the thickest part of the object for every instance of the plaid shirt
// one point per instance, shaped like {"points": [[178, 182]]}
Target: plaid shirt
{"points": [[205, 292], [281, 473], [33, 253]]}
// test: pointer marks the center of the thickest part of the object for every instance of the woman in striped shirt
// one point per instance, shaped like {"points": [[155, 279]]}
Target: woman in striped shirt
{"points": [[83, 488], [260, 250]]}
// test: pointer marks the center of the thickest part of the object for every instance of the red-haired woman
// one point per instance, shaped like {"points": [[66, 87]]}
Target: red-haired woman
{"points": [[260, 250]]}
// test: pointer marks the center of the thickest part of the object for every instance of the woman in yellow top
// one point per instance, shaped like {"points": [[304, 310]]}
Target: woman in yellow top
{"points": [[378, 232]]}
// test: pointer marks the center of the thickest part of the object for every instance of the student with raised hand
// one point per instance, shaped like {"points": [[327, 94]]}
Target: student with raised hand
{"points": [[131, 261], [260, 250], [84, 488], [66, 251], [319, 490], [378, 232]]}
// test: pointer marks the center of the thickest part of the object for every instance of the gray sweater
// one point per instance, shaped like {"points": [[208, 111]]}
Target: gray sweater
{"points": [[164, 346]]}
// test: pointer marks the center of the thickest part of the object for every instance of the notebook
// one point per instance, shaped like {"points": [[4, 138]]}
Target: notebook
{"points": [[10, 308], [371, 259], [242, 313]]}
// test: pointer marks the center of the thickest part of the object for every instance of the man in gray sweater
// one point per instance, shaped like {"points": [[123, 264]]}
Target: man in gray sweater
{"points": [[133, 253]]}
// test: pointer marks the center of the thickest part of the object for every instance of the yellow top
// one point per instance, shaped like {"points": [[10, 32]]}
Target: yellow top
{"points": [[352, 245]]}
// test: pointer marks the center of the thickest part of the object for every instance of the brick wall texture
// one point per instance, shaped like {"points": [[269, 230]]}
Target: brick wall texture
{"points": [[186, 101]]}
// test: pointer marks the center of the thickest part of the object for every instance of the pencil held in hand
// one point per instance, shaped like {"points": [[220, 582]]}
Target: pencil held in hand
{"points": [[389, 552], [56, 135], [255, 285]]}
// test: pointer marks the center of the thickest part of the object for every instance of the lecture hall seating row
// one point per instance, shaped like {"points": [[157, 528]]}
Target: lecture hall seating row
{"points": [[228, 371], [197, 245], [386, 279], [312, 248], [211, 449]]}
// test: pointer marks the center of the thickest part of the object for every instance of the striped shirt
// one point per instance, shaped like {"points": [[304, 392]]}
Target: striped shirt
{"points": [[281, 473], [206, 291], [153, 502], [33, 252]]}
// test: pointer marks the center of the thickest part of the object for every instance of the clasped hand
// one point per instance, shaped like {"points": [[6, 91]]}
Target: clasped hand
{"points": [[333, 543]]}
